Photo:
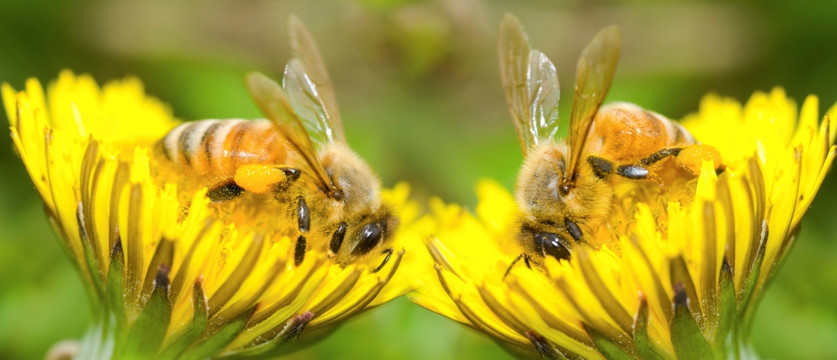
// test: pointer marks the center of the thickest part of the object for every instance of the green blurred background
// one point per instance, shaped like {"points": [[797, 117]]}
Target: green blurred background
{"points": [[421, 99]]}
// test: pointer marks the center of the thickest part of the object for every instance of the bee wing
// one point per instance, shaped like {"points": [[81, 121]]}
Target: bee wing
{"points": [[274, 104], [309, 88], [530, 83], [545, 92], [594, 74]]}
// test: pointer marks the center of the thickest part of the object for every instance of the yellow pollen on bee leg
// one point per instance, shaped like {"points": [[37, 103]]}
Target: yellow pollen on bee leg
{"points": [[258, 178], [693, 156]]}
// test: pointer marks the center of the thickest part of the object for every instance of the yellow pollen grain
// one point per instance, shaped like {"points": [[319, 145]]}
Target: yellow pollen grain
{"points": [[693, 156], [258, 178]]}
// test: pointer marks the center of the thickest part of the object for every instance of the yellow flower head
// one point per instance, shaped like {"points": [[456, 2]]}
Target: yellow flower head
{"points": [[677, 274], [166, 278]]}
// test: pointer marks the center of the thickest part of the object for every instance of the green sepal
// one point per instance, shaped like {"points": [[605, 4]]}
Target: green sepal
{"points": [[772, 271], [680, 277], [163, 254], [607, 347], [686, 336], [214, 343], [646, 348], [197, 328], [781, 256], [91, 262], [290, 331], [755, 272], [726, 316], [148, 331], [115, 284]]}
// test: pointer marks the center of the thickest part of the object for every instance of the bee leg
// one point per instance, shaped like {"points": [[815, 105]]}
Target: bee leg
{"points": [[386, 259], [291, 175], [601, 166], [573, 229], [265, 178], [635, 172], [337, 238], [693, 156], [660, 155], [303, 217], [514, 262], [299, 250], [304, 223], [224, 192]]}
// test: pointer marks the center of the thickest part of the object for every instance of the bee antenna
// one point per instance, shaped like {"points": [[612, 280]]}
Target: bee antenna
{"points": [[386, 259]]}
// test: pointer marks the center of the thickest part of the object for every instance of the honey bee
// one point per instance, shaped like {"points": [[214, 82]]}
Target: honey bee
{"points": [[299, 155], [565, 190]]}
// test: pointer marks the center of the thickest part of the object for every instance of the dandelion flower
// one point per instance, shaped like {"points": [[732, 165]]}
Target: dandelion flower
{"points": [[678, 275], [166, 279]]}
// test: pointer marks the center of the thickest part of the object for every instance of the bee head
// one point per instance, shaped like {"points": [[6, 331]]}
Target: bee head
{"points": [[365, 221], [359, 238]]}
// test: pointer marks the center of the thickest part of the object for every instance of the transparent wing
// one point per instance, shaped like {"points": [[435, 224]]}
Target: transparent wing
{"points": [[513, 53], [309, 88], [544, 92], [530, 83], [594, 74], [274, 104]]}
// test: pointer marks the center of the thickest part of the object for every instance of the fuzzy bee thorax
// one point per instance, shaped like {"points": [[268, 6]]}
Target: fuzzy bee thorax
{"points": [[589, 201], [539, 181], [539, 189], [360, 186]]}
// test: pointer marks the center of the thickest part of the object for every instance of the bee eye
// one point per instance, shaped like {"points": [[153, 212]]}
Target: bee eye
{"points": [[367, 238], [552, 245]]}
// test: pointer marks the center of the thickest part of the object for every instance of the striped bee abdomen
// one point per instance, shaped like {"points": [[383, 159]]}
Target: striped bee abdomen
{"points": [[214, 149], [626, 133]]}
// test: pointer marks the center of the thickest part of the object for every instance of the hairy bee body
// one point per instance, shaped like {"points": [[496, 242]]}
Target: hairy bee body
{"points": [[565, 189], [320, 191], [621, 133], [545, 207], [212, 150], [626, 133]]}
